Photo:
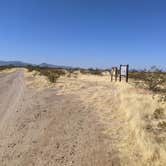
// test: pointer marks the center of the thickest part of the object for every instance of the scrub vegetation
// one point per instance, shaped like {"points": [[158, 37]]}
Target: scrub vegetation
{"points": [[132, 115], [6, 67], [54, 73], [153, 79], [51, 73]]}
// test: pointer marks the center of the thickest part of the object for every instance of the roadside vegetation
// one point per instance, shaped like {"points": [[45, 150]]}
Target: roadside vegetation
{"points": [[153, 79], [150, 124], [6, 67], [54, 73], [51, 73], [92, 71], [143, 111]]}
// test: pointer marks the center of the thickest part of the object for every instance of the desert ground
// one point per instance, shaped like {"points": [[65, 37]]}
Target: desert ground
{"points": [[83, 120]]}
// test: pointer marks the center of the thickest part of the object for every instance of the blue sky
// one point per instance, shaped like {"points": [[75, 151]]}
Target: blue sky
{"points": [[85, 33]]}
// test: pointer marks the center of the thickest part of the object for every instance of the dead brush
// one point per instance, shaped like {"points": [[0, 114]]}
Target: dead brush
{"points": [[153, 80], [92, 71], [6, 67], [159, 113], [162, 125], [51, 73]]}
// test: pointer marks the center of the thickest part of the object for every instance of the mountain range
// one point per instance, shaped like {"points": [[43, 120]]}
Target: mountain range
{"points": [[23, 64]]}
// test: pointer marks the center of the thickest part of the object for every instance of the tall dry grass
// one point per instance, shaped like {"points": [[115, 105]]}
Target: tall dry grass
{"points": [[133, 118], [141, 136], [145, 140]]}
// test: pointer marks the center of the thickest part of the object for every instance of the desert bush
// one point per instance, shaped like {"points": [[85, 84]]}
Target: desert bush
{"points": [[30, 68], [137, 75], [155, 80], [95, 71], [92, 71], [162, 98], [158, 113], [53, 77], [6, 67], [51, 73], [162, 125], [84, 71]]}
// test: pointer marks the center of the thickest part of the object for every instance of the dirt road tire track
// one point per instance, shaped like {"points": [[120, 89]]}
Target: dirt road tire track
{"points": [[12, 89]]}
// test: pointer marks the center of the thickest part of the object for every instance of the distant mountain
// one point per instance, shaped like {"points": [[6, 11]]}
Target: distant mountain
{"points": [[53, 66], [23, 64], [48, 65], [14, 63]]}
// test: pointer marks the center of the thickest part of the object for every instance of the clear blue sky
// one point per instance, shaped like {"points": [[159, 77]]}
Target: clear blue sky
{"points": [[97, 33]]}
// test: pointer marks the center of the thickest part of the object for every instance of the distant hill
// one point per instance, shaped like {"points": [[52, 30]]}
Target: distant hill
{"points": [[14, 63], [23, 64], [53, 66], [48, 65]]}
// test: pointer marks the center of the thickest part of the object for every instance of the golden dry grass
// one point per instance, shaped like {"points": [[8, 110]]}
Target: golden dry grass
{"points": [[133, 110], [126, 112], [40, 82], [8, 70], [144, 138]]}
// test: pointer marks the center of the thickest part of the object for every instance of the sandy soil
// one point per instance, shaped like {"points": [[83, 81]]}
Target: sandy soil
{"points": [[45, 128], [79, 121]]}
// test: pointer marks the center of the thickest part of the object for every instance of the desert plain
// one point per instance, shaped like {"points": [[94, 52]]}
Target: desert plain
{"points": [[82, 120]]}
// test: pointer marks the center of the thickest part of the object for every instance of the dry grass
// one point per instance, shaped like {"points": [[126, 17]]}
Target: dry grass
{"points": [[134, 119], [36, 80], [153, 81], [145, 138], [8, 70], [140, 135]]}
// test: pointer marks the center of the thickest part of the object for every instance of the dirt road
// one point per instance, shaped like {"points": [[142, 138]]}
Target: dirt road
{"points": [[44, 128]]}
